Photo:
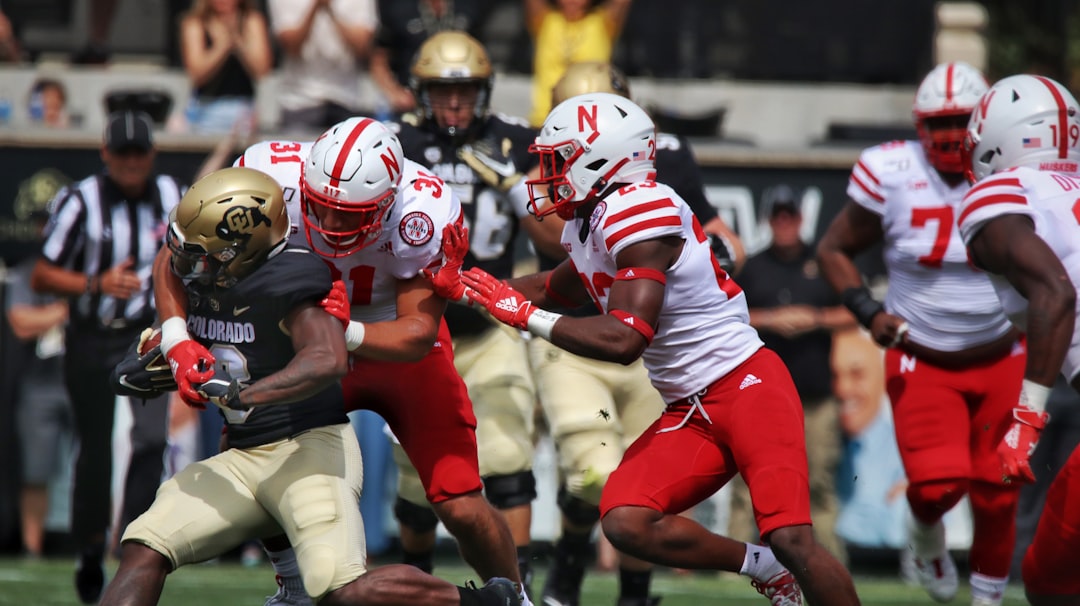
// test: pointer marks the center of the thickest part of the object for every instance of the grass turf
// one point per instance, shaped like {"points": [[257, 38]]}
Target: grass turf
{"points": [[49, 583]]}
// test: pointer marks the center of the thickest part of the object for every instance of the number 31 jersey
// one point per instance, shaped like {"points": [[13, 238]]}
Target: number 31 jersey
{"points": [[926, 259], [411, 237], [703, 331], [1052, 202]]}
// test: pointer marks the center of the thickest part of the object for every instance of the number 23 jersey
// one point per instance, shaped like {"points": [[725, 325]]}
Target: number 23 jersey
{"points": [[411, 237], [703, 331]]}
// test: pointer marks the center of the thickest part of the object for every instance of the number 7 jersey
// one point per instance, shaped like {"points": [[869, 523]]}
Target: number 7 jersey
{"points": [[926, 259], [703, 331], [411, 237]]}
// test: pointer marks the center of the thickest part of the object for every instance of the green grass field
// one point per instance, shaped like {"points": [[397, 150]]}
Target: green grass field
{"points": [[49, 583]]}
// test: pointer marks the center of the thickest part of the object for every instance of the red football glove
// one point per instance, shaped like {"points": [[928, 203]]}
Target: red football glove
{"points": [[505, 304], [336, 303], [191, 364], [447, 280], [1019, 442]]}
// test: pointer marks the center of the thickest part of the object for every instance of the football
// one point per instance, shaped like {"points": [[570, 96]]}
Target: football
{"points": [[149, 341]]}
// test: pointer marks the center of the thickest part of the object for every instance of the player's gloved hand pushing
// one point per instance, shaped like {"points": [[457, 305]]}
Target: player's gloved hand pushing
{"points": [[503, 302], [447, 279], [336, 303]]}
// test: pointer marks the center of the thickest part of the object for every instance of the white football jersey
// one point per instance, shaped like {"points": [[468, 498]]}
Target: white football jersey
{"points": [[704, 329], [949, 305], [1050, 200], [411, 237]]}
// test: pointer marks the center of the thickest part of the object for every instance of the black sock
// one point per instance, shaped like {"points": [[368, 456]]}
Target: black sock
{"points": [[424, 560], [634, 585], [573, 551], [524, 559]]}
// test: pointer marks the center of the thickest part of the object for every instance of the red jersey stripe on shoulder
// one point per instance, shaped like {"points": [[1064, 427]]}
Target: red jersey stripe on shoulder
{"points": [[862, 166], [638, 209], [873, 194], [616, 237], [994, 182], [346, 147], [991, 200]]}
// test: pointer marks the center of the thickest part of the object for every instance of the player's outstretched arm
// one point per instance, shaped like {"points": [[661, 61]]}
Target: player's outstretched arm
{"points": [[411, 335], [191, 363]]}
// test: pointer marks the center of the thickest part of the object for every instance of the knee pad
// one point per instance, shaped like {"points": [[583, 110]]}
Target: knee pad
{"points": [[577, 511], [930, 500], [418, 518], [510, 490]]}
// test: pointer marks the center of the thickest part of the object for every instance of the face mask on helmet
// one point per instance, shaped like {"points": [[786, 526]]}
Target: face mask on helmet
{"points": [[348, 186], [587, 144], [451, 77], [226, 225], [1023, 120], [943, 103]]}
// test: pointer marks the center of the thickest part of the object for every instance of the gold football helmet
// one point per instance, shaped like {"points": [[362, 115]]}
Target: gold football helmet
{"points": [[226, 225], [589, 77], [452, 58]]}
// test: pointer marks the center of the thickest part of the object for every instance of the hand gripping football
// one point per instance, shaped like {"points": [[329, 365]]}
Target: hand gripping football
{"points": [[144, 372]]}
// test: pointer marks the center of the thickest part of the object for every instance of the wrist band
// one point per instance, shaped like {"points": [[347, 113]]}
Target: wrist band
{"points": [[541, 322], [1033, 395], [173, 331], [862, 304], [354, 335]]}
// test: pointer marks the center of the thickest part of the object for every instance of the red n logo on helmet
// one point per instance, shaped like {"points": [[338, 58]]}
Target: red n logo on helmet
{"points": [[392, 163], [984, 103], [585, 117]]}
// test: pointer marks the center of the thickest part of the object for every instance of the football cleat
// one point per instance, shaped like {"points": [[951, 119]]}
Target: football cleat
{"points": [[781, 589], [290, 593], [938, 577], [504, 590]]}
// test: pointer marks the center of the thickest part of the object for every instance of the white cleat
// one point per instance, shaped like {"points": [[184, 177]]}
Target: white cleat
{"points": [[938, 577], [781, 589], [290, 593]]}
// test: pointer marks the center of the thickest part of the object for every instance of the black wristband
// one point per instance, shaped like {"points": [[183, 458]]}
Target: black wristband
{"points": [[862, 304]]}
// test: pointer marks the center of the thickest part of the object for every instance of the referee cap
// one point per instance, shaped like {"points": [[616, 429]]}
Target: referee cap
{"points": [[129, 130]]}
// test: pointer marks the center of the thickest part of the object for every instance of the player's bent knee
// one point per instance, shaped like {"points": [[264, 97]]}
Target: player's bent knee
{"points": [[577, 511], [930, 500], [418, 518], [628, 527], [511, 490], [318, 567]]}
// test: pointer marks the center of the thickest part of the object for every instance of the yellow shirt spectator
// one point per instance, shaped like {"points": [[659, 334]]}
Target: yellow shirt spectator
{"points": [[568, 33]]}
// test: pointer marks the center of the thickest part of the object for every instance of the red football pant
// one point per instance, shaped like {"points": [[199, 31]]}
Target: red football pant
{"points": [[756, 429], [427, 406]]}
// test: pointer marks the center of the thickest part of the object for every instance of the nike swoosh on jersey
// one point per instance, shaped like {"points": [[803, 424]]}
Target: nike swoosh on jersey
{"points": [[504, 169], [239, 310]]}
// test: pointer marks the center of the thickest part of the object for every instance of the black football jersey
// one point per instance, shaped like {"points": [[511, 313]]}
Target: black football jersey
{"points": [[243, 326], [493, 226]]}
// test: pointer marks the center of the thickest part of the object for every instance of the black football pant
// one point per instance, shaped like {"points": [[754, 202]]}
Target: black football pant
{"points": [[89, 358]]}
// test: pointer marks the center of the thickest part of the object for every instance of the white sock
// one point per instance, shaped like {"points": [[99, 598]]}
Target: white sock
{"points": [[990, 589], [284, 562], [760, 563], [927, 541]]}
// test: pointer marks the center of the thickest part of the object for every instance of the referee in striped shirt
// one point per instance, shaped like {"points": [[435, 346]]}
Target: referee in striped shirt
{"points": [[99, 247]]}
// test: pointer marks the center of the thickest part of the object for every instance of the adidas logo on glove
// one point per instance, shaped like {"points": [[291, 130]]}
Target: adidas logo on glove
{"points": [[510, 304]]}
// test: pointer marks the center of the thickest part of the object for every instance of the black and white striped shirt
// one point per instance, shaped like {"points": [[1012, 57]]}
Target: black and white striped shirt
{"points": [[94, 226]]}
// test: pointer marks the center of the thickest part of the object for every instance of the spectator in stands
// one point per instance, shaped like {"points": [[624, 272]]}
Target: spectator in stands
{"points": [[96, 51], [403, 27], [43, 410], [10, 49], [566, 32], [870, 481], [225, 46], [796, 312], [324, 42], [48, 104]]}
